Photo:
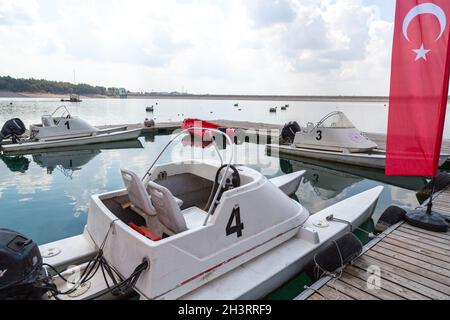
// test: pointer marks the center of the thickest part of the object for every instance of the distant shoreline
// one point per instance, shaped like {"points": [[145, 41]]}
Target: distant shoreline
{"points": [[8, 94], [263, 97]]}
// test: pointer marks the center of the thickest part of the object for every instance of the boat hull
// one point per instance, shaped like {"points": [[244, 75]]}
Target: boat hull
{"points": [[375, 159], [274, 268], [100, 138], [260, 275]]}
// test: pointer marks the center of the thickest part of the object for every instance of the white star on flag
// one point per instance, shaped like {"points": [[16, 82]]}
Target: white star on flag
{"points": [[421, 53]]}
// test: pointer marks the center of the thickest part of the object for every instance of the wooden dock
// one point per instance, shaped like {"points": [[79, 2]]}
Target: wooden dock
{"points": [[410, 263], [258, 129], [441, 202]]}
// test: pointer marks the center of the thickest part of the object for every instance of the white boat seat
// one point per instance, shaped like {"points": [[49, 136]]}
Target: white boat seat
{"points": [[167, 208], [47, 121], [178, 200], [194, 217], [138, 195]]}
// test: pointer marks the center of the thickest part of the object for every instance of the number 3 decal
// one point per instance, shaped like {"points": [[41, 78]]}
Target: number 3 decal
{"points": [[319, 135], [235, 215]]}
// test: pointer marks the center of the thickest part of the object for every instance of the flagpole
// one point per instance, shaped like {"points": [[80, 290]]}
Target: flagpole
{"points": [[430, 203]]}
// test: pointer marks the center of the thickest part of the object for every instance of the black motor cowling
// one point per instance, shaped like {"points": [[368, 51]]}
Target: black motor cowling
{"points": [[288, 132], [13, 129], [22, 276]]}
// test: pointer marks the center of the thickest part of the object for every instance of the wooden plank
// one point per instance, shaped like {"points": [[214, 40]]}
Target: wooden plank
{"points": [[408, 279], [435, 234], [442, 199], [412, 247], [438, 278], [324, 280], [350, 291], [316, 296], [415, 262], [329, 293], [423, 240], [425, 236], [417, 256], [420, 244], [380, 293], [387, 285], [387, 275]]}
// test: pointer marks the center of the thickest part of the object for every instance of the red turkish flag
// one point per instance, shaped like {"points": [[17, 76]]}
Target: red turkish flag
{"points": [[419, 87]]}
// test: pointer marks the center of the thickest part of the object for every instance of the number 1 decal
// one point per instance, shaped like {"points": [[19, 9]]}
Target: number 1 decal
{"points": [[67, 124], [238, 227]]}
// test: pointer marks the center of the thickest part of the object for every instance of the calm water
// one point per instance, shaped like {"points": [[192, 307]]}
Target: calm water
{"points": [[46, 195], [370, 117]]}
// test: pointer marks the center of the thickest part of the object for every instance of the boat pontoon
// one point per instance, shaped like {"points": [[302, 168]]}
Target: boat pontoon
{"points": [[194, 230], [61, 129], [333, 133], [334, 138]]}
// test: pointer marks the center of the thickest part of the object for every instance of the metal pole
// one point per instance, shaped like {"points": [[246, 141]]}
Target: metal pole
{"points": [[430, 203]]}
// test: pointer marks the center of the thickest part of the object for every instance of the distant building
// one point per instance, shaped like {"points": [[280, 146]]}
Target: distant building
{"points": [[123, 93]]}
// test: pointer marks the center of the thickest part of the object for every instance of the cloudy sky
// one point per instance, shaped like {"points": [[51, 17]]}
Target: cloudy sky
{"points": [[203, 46]]}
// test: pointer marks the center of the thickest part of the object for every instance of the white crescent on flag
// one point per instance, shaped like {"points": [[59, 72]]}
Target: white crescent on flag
{"points": [[425, 8]]}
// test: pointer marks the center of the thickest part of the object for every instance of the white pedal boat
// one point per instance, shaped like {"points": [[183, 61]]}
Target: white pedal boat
{"points": [[66, 130], [244, 243], [335, 138], [374, 159]]}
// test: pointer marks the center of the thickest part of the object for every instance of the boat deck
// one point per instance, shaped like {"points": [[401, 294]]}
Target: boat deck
{"points": [[441, 203], [412, 264]]}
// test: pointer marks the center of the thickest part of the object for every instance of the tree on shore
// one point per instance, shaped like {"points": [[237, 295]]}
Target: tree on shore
{"points": [[8, 83]]}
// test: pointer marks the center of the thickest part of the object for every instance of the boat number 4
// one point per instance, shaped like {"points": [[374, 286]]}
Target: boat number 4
{"points": [[234, 224], [67, 124], [319, 135]]}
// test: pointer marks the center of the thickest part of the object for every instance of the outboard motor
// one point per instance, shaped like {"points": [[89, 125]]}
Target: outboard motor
{"points": [[288, 132], [22, 276], [13, 129]]}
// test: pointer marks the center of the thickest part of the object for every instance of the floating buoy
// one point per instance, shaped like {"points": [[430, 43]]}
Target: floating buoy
{"points": [[149, 123], [441, 182], [334, 257], [390, 216]]}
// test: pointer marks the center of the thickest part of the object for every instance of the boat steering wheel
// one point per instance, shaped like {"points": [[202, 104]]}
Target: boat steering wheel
{"points": [[234, 182]]}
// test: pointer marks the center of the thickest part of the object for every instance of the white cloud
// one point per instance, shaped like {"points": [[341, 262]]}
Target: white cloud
{"points": [[225, 46]]}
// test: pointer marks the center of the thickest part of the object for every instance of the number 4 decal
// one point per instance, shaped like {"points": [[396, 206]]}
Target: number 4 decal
{"points": [[238, 227]]}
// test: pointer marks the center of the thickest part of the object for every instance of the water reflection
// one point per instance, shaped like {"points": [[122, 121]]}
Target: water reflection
{"points": [[410, 183], [66, 160], [325, 184], [16, 163]]}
